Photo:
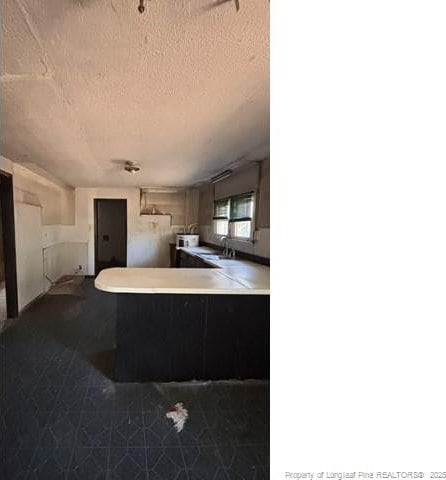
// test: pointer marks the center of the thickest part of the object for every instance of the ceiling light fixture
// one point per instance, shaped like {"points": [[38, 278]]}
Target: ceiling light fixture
{"points": [[221, 176], [163, 189], [131, 167]]}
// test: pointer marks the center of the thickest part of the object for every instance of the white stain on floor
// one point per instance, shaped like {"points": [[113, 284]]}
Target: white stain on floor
{"points": [[179, 416]]}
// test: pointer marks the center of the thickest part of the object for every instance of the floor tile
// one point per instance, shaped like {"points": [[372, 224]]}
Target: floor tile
{"points": [[127, 463], [71, 397], [20, 378], [262, 452], [159, 430], [203, 463], [61, 416], [89, 464], [23, 475], [154, 397], [127, 430], [196, 431], [97, 377], [100, 397], [186, 393], [53, 376], [216, 396], [61, 429], [43, 397], [235, 427], [127, 397], [255, 474], [94, 429], [50, 463], [23, 429], [242, 462], [166, 463], [16, 464], [79, 372]]}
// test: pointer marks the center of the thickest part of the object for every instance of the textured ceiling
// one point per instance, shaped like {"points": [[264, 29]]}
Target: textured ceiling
{"points": [[182, 89]]}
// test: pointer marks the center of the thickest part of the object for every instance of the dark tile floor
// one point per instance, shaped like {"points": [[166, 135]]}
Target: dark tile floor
{"points": [[63, 418]]}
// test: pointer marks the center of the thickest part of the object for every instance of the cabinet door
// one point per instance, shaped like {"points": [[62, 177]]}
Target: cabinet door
{"points": [[182, 259], [173, 255], [237, 337], [189, 261], [220, 340]]}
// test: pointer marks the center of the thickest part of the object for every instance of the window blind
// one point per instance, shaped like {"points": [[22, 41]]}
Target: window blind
{"points": [[242, 207], [221, 209]]}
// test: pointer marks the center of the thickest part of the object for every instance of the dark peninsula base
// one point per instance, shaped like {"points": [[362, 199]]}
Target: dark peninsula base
{"points": [[175, 337]]}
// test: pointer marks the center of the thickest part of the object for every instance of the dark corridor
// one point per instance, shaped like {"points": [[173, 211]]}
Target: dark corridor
{"points": [[8, 280], [110, 233]]}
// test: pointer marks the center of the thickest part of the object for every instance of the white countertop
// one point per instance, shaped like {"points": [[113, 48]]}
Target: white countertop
{"points": [[230, 277]]}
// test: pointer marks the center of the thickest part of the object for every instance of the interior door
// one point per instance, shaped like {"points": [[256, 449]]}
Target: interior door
{"points": [[110, 233], [8, 273]]}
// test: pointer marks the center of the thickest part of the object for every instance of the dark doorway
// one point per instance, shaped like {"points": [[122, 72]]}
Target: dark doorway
{"points": [[8, 280], [110, 219]]}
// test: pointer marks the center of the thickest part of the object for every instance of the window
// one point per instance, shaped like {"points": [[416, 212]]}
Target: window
{"points": [[221, 216], [234, 216]]}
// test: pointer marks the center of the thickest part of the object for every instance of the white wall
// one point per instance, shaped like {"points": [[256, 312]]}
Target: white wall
{"points": [[64, 236], [56, 200], [28, 229], [45, 244], [63, 259], [260, 246], [66, 229], [148, 236], [5, 164]]}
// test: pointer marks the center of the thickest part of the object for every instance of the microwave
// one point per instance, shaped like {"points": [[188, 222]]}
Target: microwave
{"points": [[184, 240]]}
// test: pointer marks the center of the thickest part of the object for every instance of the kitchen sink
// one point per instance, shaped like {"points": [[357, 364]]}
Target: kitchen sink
{"points": [[209, 256]]}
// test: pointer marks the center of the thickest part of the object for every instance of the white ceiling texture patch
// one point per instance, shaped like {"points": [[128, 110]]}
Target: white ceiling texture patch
{"points": [[87, 85]]}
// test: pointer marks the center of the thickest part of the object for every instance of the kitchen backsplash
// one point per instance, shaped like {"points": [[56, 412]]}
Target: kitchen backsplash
{"points": [[259, 247]]}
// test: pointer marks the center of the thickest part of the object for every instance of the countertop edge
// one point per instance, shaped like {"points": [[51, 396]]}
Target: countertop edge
{"points": [[187, 291]]}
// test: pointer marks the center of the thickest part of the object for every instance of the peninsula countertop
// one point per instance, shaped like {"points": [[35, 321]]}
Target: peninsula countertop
{"points": [[230, 277]]}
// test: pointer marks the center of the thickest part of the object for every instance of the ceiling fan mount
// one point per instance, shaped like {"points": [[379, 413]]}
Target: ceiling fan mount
{"points": [[141, 7], [218, 3]]}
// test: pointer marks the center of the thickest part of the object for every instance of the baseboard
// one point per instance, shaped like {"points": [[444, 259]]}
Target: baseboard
{"points": [[29, 304]]}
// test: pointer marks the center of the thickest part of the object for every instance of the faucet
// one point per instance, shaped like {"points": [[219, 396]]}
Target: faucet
{"points": [[191, 227], [224, 241]]}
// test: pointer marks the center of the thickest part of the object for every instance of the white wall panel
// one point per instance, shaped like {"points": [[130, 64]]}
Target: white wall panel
{"points": [[28, 231]]}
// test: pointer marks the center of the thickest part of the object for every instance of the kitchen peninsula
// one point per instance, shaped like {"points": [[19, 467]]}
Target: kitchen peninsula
{"points": [[191, 323]]}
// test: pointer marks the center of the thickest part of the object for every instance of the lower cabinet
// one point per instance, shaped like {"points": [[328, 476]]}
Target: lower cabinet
{"points": [[237, 337], [184, 260], [174, 337]]}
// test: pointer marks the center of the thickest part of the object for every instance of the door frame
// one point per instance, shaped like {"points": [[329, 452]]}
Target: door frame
{"points": [[95, 208], [9, 250]]}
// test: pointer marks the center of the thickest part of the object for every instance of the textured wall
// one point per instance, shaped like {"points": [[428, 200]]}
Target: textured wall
{"points": [[261, 245], [44, 217], [181, 205], [263, 196], [148, 236], [206, 204], [57, 201], [29, 253], [5, 164]]}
